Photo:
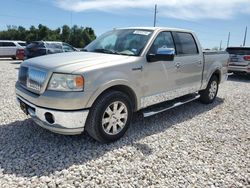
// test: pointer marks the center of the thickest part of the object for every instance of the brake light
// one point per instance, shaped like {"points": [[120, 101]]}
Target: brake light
{"points": [[20, 54], [247, 57]]}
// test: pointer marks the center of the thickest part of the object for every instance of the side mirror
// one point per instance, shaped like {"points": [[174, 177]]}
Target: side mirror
{"points": [[163, 54]]}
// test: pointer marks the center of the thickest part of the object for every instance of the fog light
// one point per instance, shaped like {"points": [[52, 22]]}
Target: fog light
{"points": [[49, 118]]}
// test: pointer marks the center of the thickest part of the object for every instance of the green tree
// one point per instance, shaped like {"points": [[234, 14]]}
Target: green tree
{"points": [[76, 36]]}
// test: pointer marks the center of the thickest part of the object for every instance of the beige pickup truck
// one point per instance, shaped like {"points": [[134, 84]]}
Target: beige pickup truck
{"points": [[122, 71]]}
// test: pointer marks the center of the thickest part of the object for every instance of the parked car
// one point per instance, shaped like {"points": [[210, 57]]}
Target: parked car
{"points": [[122, 71], [239, 62], [10, 48], [39, 48]]}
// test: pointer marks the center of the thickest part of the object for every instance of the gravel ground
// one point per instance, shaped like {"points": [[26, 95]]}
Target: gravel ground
{"points": [[194, 145]]}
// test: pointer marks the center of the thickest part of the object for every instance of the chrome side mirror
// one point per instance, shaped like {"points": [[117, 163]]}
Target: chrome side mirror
{"points": [[162, 54]]}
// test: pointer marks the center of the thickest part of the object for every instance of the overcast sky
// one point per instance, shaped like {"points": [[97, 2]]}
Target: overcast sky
{"points": [[211, 19]]}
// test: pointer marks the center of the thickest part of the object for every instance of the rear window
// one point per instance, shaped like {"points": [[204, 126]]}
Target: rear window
{"points": [[185, 43], [35, 45], [239, 51], [22, 43]]}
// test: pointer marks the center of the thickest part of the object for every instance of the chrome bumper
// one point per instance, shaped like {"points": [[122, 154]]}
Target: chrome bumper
{"points": [[239, 68], [64, 122]]}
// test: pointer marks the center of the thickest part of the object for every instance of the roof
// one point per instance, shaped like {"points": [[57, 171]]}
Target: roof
{"points": [[240, 47], [11, 41], [156, 28]]}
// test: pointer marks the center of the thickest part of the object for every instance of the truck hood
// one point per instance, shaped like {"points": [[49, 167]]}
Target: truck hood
{"points": [[73, 61]]}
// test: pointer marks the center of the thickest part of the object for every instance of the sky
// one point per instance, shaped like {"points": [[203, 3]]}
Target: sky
{"points": [[212, 20]]}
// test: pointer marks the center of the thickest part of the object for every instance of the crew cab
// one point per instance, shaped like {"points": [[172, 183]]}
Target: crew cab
{"points": [[123, 71]]}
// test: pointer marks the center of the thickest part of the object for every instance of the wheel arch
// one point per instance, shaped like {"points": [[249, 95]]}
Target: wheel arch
{"points": [[121, 86]]}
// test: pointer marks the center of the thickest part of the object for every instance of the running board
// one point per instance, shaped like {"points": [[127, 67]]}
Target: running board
{"points": [[158, 108]]}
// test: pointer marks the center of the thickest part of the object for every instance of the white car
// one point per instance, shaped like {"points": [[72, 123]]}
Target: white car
{"points": [[9, 48]]}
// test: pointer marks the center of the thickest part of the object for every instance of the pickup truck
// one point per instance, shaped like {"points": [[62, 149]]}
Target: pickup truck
{"points": [[123, 71]]}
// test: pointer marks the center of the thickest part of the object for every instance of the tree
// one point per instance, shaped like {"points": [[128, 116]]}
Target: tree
{"points": [[76, 36], [65, 33]]}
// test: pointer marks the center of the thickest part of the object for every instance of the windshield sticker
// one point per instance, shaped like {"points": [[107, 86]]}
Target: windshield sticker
{"points": [[139, 32]]}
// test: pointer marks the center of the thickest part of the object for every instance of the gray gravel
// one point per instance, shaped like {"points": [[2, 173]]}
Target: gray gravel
{"points": [[193, 145]]}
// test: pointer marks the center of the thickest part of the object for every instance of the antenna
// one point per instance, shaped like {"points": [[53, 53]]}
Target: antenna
{"points": [[155, 14], [228, 39], [245, 37]]}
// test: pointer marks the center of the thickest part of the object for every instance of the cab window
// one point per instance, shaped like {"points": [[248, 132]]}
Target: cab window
{"points": [[163, 40], [185, 44]]}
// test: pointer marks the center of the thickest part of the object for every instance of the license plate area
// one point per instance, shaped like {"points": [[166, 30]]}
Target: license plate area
{"points": [[234, 59]]}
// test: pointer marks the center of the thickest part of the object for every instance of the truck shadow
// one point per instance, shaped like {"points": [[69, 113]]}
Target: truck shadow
{"points": [[28, 150], [239, 78]]}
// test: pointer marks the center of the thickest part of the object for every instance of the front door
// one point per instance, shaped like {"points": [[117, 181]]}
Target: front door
{"points": [[159, 76]]}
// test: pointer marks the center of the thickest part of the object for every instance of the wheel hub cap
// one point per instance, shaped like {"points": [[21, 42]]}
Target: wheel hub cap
{"points": [[114, 118], [213, 90]]}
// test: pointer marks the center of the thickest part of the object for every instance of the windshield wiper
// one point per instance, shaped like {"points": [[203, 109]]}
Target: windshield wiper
{"points": [[102, 50]]}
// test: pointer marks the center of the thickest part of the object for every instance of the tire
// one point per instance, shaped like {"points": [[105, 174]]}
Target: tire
{"points": [[14, 57], [103, 124], [208, 95]]}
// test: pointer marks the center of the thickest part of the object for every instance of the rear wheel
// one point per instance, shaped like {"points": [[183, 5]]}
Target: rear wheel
{"points": [[13, 57], [209, 94], [109, 117]]}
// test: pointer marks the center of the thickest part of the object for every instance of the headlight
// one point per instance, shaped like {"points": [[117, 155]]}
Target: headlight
{"points": [[66, 82]]}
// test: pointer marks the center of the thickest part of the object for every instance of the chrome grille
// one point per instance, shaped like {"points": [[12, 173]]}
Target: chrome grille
{"points": [[32, 78]]}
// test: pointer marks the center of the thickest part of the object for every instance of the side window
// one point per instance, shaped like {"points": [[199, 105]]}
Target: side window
{"points": [[56, 47], [67, 48], [8, 44], [163, 40], [185, 44]]}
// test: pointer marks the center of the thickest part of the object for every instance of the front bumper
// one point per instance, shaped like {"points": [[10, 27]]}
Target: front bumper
{"points": [[64, 122]]}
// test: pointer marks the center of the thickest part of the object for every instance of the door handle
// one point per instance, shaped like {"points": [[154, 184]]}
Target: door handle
{"points": [[199, 62], [137, 68], [177, 65]]}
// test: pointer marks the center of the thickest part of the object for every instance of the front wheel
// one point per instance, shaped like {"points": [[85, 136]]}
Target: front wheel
{"points": [[109, 117], [209, 94]]}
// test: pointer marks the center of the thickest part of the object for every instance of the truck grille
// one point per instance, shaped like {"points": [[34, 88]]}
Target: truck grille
{"points": [[32, 78]]}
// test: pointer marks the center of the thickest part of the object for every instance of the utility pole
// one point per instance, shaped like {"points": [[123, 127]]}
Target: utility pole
{"points": [[245, 37], [155, 15], [220, 44], [228, 39], [71, 19]]}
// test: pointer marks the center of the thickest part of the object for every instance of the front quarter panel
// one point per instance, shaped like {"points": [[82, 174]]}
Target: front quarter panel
{"points": [[100, 78]]}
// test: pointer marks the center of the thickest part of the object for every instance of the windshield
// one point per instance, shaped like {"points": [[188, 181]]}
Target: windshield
{"points": [[122, 42]]}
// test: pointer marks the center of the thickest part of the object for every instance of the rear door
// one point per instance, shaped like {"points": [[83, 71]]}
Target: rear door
{"points": [[188, 63]]}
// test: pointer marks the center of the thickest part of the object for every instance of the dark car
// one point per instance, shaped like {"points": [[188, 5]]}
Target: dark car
{"points": [[39, 48]]}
